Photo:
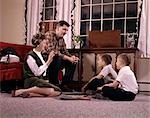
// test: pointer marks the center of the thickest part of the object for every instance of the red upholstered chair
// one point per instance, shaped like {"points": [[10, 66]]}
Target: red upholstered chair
{"points": [[12, 72], [60, 75]]}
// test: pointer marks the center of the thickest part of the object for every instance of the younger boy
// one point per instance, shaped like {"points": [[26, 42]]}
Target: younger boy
{"points": [[99, 80]]}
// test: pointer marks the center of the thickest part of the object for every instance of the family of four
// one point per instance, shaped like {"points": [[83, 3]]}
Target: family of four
{"points": [[50, 55]]}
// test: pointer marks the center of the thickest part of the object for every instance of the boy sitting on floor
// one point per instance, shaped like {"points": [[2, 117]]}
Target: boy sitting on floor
{"points": [[99, 80]]}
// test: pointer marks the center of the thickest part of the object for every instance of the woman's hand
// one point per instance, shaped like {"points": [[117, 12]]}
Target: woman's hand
{"points": [[50, 57]]}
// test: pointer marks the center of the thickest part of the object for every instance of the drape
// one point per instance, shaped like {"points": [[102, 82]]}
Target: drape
{"points": [[63, 12], [33, 18], [144, 31]]}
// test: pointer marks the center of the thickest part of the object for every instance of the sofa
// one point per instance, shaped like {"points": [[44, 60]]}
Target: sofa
{"points": [[11, 73]]}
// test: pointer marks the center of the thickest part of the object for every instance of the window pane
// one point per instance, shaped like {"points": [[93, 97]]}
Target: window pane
{"points": [[119, 25], [119, 10], [108, 11], [96, 25], [84, 2], [107, 25], [85, 13], [54, 14], [49, 10], [123, 38], [48, 14], [96, 13], [107, 1], [84, 28], [132, 10], [119, 0], [131, 25], [96, 1], [48, 3]]}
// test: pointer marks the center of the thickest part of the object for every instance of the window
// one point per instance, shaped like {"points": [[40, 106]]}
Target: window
{"points": [[105, 15], [49, 10]]}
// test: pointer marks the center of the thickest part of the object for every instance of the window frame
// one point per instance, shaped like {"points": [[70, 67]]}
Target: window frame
{"points": [[113, 19], [49, 7]]}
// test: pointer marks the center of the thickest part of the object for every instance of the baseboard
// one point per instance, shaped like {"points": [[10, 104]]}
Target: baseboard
{"points": [[144, 86]]}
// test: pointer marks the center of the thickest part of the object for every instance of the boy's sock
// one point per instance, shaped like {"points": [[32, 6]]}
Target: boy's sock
{"points": [[100, 96]]}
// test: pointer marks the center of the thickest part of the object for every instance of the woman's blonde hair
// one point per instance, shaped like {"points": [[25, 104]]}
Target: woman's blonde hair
{"points": [[37, 39]]}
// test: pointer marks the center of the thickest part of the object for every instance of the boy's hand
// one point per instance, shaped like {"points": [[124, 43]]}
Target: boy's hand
{"points": [[99, 88]]}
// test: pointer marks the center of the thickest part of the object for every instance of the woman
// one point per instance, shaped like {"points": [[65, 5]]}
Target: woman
{"points": [[35, 69]]}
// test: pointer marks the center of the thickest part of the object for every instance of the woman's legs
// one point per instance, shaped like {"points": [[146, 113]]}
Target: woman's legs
{"points": [[40, 83], [36, 91]]}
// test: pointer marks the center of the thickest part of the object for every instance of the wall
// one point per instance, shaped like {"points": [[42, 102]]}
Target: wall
{"points": [[12, 17], [143, 74]]}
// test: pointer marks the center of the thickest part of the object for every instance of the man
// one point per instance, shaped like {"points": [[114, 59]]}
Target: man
{"points": [[62, 59]]}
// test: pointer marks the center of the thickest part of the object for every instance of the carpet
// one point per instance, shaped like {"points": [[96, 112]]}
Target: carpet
{"points": [[55, 108]]}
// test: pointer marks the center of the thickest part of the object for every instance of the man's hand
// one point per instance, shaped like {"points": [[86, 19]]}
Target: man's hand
{"points": [[74, 59]]}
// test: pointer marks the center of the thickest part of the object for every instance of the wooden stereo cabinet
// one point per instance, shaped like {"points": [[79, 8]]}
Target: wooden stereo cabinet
{"points": [[87, 66]]}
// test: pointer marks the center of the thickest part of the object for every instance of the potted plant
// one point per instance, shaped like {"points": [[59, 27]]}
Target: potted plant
{"points": [[77, 42]]}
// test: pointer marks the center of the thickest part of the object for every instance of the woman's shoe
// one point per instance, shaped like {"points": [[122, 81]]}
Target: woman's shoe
{"points": [[23, 94]]}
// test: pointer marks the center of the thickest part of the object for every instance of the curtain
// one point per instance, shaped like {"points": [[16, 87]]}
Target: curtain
{"points": [[33, 18], [63, 12], [144, 31]]}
